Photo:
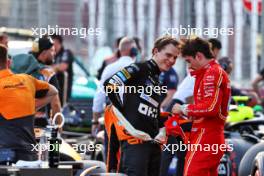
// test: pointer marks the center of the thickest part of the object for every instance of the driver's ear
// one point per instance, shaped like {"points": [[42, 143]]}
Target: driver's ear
{"points": [[199, 56], [155, 51]]}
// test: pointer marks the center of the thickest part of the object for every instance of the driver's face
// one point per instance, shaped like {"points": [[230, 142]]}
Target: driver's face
{"points": [[166, 57], [192, 63]]}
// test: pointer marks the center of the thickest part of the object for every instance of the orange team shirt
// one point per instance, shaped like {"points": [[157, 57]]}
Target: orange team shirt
{"points": [[18, 93]]}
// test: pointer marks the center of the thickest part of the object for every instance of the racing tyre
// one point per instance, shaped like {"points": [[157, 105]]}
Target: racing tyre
{"points": [[247, 162], [230, 162], [258, 167], [225, 166]]}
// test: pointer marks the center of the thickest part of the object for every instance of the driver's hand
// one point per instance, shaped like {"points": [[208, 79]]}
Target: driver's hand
{"points": [[176, 109], [161, 137]]}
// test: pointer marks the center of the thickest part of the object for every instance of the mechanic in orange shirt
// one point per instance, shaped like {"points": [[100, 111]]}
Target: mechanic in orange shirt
{"points": [[20, 96]]}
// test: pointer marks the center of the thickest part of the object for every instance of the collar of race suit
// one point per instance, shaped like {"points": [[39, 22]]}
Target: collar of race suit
{"points": [[204, 68]]}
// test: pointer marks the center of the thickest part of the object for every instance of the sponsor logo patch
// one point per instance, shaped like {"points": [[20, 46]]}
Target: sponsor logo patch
{"points": [[118, 80], [149, 99], [122, 76], [148, 111], [125, 72]]}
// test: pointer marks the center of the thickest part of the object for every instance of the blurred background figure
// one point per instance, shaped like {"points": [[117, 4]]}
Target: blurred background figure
{"points": [[110, 59], [255, 83], [216, 46], [140, 54], [170, 79], [4, 39], [227, 64], [146, 20], [63, 67]]}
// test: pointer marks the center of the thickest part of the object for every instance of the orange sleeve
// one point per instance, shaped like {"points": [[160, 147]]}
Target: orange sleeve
{"points": [[42, 87]]}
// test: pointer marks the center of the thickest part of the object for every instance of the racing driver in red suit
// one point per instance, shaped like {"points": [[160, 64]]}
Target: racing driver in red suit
{"points": [[209, 110]]}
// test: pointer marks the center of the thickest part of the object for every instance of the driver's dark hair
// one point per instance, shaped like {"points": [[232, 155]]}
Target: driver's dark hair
{"points": [[3, 55], [163, 41], [215, 43], [192, 46]]}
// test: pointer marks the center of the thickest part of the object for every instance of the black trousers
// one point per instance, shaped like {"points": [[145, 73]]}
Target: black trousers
{"points": [[140, 159], [167, 156]]}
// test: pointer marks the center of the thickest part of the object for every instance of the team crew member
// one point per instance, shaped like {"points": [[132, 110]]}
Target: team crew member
{"points": [[45, 53], [140, 110], [110, 59], [209, 110], [17, 101], [38, 65], [63, 66]]}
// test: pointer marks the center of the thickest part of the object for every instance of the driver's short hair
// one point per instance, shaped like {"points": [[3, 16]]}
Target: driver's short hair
{"points": [[192, 46], [163, 41]]}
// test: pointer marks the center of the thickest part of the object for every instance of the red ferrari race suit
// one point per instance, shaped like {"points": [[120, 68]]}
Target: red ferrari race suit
{"points": [[209, 112]]}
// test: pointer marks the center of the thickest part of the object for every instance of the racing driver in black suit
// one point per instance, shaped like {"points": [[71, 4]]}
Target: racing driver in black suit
{"points": [[135, 93]]}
